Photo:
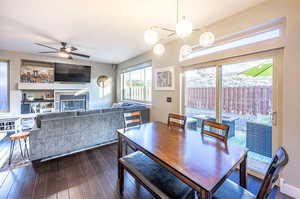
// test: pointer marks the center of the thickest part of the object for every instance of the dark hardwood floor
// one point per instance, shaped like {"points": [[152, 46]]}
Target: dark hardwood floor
{"points": [[89, 174]]}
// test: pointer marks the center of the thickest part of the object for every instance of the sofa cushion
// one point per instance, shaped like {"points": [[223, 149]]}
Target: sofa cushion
{"points": [[91, 112], [46, 116], [158, 179]]}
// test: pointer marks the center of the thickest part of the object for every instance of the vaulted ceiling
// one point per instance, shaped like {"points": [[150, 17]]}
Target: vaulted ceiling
{"points": [[110, 31]]}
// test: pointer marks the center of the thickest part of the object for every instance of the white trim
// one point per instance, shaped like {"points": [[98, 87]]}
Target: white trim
{"points": [[137, 102], [139, 66], [289, 190], [250, 39]]}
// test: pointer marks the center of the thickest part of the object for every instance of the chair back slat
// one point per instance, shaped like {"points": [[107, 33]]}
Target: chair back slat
{"points": [[175, 120], [220, 130], [132, 119], [278, 163], [132, 114]]}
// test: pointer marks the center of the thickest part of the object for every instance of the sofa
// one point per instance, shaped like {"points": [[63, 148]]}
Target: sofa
{"points": [[59, 134]]}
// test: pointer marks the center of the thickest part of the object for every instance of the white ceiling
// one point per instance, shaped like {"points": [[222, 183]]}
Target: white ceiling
{"points": [[110, 31]]}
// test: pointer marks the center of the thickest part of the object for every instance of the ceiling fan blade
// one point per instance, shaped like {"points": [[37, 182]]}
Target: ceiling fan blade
{"points": [[46, 46], [71, 49], [48, 52], [80, 55]]}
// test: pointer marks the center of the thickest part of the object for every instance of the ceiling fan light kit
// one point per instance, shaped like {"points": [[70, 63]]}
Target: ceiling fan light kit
{"points": [[63, 51], [63, 54], [183, 29]]}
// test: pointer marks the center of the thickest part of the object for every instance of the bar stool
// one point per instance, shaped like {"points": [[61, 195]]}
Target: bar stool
{"points": [[19, 137]]}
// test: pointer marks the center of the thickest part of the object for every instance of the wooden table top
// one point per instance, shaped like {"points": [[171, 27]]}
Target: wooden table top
{"points": [[202, 159]]}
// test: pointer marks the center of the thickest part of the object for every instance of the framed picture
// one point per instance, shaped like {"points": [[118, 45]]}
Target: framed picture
{"points": [[36, 74], [164, 79]]}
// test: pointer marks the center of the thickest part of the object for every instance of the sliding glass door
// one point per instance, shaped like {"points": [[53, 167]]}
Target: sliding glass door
{"points": [[200, 94], [241, 93], [247, 108]]}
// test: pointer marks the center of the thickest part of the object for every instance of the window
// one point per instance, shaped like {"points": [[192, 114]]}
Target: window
{"points": [[4, 87], [258, 37], [137, 84]]}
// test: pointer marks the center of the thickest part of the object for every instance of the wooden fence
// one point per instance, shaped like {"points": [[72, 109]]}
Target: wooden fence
{"points": [[238, 100]]}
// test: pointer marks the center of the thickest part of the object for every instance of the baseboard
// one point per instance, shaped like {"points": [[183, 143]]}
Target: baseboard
{"points": [[289, 190]]}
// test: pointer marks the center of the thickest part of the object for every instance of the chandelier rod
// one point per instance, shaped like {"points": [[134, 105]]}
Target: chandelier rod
{"points": [[163, 28]]}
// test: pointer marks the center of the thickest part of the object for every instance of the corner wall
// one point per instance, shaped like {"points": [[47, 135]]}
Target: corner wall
{"points": [[96, 101], [260, 14]]}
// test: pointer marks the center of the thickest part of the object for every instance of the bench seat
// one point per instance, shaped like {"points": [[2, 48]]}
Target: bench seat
{"points": [[161, 183]]}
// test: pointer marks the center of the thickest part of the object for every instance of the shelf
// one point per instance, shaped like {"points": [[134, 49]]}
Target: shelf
{"points": [[52, 86], [35, 101]]}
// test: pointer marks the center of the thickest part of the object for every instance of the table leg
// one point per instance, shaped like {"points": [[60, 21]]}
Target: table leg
{"points": [[243, 173], [120, 166], [205, 194]]}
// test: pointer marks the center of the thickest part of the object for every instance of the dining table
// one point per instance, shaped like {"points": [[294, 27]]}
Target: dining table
{"points": [[200, 161]]}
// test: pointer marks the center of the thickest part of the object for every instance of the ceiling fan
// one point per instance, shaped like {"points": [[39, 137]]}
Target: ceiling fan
{"points": [[63, 51]]}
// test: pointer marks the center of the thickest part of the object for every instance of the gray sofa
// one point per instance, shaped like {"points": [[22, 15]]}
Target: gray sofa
{"points": [[58, 134]]}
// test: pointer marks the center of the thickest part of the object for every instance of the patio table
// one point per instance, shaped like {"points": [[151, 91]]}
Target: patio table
{"points": [[228, 120]]}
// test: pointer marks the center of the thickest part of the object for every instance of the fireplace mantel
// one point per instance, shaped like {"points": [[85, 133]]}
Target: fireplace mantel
{"points": [[51, 86]]}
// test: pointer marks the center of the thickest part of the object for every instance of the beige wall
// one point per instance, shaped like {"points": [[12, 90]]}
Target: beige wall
{"points": [[96, 101], [291, 97]]}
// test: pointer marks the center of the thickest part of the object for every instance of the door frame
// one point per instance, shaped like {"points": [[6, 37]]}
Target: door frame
{"points": [[277, 88]]}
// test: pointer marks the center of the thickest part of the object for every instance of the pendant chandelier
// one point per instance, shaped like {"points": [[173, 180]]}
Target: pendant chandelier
{"points": [[183, 29]]}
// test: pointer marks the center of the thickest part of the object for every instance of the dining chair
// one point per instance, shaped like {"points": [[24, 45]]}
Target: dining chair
{"points": [[175, 120], [131, 119], [214, 129], [231, 190]]}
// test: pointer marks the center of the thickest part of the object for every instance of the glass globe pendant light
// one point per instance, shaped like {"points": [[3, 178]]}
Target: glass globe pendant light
{"points": [[206, 39], [159, 49], [151, 36], [184, 28]]}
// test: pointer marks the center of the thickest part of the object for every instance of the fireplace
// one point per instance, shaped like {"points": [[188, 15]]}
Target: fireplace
{"points": [[70, 101]]}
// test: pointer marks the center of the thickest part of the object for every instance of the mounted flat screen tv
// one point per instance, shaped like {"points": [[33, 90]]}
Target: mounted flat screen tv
{"points": [[72, 73]]}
